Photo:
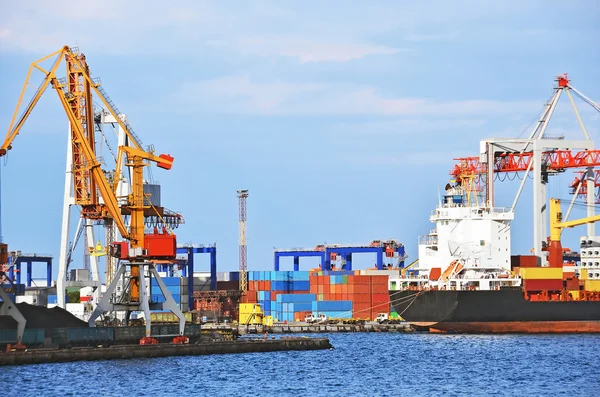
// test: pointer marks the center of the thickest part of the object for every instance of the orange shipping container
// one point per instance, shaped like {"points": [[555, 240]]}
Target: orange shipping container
{"points": [[568, 275]]}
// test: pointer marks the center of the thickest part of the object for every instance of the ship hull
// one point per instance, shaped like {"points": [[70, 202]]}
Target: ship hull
{"points": [[503, 311]]}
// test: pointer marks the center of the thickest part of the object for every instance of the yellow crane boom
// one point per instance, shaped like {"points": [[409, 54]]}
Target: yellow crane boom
{"points": [[556, 228]]}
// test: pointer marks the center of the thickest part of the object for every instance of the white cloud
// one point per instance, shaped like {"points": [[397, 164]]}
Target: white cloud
{"points": [[238, 94], [432, 36], [309, 31], [406, 158], [311, 50], [408, 126]]}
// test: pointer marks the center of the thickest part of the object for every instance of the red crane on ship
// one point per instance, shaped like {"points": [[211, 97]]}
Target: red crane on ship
{"points": [[543, 154]]}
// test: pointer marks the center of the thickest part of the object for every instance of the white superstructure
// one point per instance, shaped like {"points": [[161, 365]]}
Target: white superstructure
{"points": [[468, 249]]}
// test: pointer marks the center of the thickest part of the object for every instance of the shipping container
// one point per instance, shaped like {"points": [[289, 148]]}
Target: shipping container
{"points": [[332, 315], [543, 285], [541, 273], [129, 334], [331, 306], [518, 261], [592, 285], [90, 336]]}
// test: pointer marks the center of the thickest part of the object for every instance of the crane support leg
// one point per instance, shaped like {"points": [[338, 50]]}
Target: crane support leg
{"points": [[107, 301], [169, 303], [9, 308]]}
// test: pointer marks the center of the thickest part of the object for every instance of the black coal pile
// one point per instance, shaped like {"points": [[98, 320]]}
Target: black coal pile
{"points": [[42, 317]]}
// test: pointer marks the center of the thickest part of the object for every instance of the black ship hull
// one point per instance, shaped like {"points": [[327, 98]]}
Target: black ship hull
{"points": [[499, 311]]}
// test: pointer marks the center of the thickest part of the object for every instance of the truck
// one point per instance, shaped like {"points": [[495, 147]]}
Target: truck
{"points": [[382, 318], [319, 318]]}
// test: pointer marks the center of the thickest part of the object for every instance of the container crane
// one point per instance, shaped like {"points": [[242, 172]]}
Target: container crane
{"points": [[542, 155], [139, 252], [557, 225]]}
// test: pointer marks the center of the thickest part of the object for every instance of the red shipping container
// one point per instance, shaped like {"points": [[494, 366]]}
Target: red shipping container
{"points": [[527, 261], [267, 286], [572, 284], [543, 285], [250, 297]]}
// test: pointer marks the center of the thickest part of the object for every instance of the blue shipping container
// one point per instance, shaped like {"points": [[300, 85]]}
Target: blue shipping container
{"points": [[296, 297], [300, 286], [335, 314], [320, 306]]}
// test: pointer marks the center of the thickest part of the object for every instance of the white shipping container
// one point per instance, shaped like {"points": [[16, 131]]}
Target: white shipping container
{"points": [[380, 272], [25, 299], [75, 308]]}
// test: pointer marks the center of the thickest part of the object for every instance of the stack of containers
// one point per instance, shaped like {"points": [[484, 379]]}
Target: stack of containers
{"points": [[368, 294], [228, 280], [333, 309], [293, 307], [292, 295], [541, 278], [268, 285], [380, 296], [174, 287]]}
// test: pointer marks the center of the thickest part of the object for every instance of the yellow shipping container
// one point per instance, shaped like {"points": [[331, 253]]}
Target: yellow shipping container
{"points": [[592, 285], [250, 313], [249, 308], [584, 273], [541, 273]]}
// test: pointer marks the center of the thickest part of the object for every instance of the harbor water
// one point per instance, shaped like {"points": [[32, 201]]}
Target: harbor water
{"points": [[362, 364]]}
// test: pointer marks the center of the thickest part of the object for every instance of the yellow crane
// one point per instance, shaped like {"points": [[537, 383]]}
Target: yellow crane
{"points": [[138, 252], [556, 227]]}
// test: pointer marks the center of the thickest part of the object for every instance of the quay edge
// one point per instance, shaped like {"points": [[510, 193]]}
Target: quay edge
{"points": [[39, 356]]}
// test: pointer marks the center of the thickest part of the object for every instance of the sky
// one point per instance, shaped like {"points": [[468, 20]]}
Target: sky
{"points": [[341, 118]]}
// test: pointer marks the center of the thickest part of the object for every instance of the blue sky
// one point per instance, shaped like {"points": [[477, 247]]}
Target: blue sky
{"points": [[341, 118]]}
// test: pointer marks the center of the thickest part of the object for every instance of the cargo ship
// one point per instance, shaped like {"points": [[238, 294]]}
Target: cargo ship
{"points": [[467, 281]]}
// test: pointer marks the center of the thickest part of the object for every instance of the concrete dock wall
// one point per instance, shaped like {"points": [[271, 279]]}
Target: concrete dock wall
{"points": [[37, 356]]}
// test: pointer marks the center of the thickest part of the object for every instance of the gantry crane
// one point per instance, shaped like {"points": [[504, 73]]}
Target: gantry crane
{"points": [[139, 252], [542, 155], [556, 227]]}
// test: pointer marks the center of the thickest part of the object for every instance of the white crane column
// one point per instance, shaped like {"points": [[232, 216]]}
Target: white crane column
{"points": [[68, 201], [591, 189]]}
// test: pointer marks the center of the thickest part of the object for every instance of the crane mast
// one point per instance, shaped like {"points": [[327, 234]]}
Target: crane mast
{"points": [[79, 95], [242, 196]]}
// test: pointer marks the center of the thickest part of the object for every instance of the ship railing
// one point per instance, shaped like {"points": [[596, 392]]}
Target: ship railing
{"points": [[428, 239]]}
